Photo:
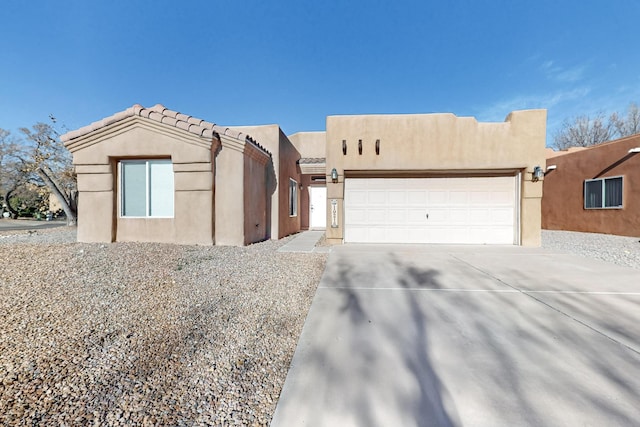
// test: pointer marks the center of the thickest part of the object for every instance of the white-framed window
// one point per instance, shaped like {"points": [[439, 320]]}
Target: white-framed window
{"points": [[146, 188], [293, 197], [603, 193]]}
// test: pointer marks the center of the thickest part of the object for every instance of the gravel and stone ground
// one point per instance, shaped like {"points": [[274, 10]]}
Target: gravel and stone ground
{"points": [[155, 334], [619, 250], [146, 334]]}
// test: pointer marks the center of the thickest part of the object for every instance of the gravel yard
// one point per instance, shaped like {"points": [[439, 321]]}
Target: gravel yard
{"points": [[155, 334], [619, 250], [146, 334]]}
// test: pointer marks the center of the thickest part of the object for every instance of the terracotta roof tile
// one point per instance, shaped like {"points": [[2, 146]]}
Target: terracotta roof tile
{"points": [[144, 113], [182, 117], [194, 121], [182, 125], [170, 113], [159, 113], [169, 120], [156, 116], [311, 160]]}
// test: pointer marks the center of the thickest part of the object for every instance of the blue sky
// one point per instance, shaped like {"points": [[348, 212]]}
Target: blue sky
{"points": [[242, 62]]}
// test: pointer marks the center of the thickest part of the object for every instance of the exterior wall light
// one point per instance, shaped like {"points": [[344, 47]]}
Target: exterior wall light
{"points": [[377, 147], [537, 174], [334, 175], [344, 147], [551, 167], [360, 146], [634, 150]]}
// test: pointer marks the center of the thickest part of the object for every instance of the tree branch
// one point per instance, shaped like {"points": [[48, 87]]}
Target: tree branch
{"points": [[49, 179]]}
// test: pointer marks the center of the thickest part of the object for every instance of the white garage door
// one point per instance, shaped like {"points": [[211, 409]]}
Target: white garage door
{"points": [[430, 210]]}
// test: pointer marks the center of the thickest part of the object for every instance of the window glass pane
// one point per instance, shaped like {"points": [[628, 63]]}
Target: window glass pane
{"points": [[160, 188], [293, 198], [593, 194], [613, 192], [290, 198], [134, 182]]}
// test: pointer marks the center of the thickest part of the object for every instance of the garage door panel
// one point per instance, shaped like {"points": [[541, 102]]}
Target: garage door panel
{"points": [[502, 216], [417, 216], [360, 184], [437, 215], [376, 216], [502, 236], [358, 197], [378, 234], [458, 197], [398, 216], [355, 216], [430, 210], [480, 198], [491, 234], [438, 198], [479, 235], [502, 197], [450, 235], [408, 184], [377, 197], [396, 198], [417, 235], [417, 198], [459, 216], [396, 234], [358, 234], [480, 216]]}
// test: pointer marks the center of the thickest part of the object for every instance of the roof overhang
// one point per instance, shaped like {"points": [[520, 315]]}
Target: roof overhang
{"points": [[313, 166], [159, 117]]}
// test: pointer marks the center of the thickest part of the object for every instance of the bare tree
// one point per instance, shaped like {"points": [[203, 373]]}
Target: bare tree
{"points": [[584, 131], [629, 125], [11, 177], [47, 161]]}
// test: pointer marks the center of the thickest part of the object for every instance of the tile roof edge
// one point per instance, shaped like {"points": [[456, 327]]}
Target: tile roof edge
{"points": [[240, 136], [159, 113], [312, 160]]}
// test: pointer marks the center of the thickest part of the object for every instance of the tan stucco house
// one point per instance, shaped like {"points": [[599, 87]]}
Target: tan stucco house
{"points": [[594, 189], [152, 174]]}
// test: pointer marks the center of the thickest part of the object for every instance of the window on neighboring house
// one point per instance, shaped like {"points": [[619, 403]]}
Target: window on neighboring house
{"points": [[603, 193], [293, 197], [146, 188]]}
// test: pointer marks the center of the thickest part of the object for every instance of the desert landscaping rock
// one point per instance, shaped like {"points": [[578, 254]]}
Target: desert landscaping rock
{"points": [[621, 250], [154, 334], [144, 333]]}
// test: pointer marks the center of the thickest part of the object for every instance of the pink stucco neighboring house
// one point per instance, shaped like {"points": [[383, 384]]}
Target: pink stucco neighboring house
{"points": [[594, 189]]}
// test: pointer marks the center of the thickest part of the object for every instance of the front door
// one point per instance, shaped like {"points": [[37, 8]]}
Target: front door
{"points": [[318, 207]]}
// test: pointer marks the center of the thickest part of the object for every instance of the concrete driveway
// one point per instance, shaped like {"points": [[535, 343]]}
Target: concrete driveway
{"points": [[467, 336]]}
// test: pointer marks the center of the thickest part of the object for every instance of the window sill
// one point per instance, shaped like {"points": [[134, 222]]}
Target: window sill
{"points": [[146, 217]]}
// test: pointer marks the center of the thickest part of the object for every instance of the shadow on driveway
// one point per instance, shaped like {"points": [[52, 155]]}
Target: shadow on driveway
{"points": [[448, 338]]}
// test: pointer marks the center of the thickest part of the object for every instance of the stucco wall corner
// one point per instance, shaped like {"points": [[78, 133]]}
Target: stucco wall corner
{"points": [[531, 190], [531, 219], [530, 124], [260, 155]]}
